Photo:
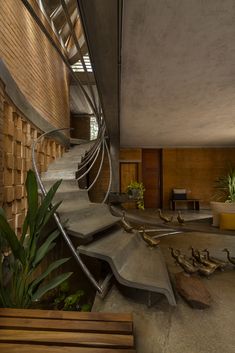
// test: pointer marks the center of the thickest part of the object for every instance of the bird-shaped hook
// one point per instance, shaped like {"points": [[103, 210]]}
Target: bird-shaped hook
{"points": [[151, 242], [180, 219], [125, 225], [164, 218]]}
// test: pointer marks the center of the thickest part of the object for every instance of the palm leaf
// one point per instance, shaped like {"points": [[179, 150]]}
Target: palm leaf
{"points": [[49, 214], [9, 235], [52, 284], [50, 268], [46, 202], [32, 197], [45, 248], [24, 229]]}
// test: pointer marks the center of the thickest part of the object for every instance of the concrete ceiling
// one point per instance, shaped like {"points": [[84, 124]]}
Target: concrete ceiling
{"points": [[178, 73]]}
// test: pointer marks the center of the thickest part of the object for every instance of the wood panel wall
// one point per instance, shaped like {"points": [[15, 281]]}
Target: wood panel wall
{"points": [[98, 191], [196, 170], [34, 64], [16, 136]]}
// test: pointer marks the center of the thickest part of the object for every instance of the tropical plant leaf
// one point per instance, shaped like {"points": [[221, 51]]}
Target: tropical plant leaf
{"points": [[32, 197], [11, 238], [2, 212], [45, 248], [52, 284], [50, 268], [49, 214], [46, 202], [24, 229]]}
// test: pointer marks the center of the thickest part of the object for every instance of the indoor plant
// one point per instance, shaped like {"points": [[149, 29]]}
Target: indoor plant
{"points": [[224, 195], [225, 186], [136, 190], [23, 284]]}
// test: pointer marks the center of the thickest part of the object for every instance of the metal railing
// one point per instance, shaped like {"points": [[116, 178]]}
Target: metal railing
{"points": [[57, 220]]}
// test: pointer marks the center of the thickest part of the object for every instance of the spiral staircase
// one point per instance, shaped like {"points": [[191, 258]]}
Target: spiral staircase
{"points": [[99, 235]]}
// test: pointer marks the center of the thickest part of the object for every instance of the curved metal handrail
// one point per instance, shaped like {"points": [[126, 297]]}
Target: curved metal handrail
{"points": [[60, 226], [93, 148], [90, 158], [99, 170], [110, 172], [93, 162]]}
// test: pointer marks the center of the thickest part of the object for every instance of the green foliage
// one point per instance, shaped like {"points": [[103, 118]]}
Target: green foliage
{"points": [[24, 285], [225, 187], [136, 190], [65, 300]]}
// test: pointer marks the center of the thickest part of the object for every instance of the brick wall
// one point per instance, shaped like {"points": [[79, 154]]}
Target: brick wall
{"points": [[33, 63], [16, 137]]}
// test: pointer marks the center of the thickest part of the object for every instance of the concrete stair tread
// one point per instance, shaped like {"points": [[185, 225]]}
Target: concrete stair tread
{"points": [[133, 263], [70, 185], [86, 229], [88, 220]]}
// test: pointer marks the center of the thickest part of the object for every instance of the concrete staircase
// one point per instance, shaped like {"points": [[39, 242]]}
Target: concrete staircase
{"points": [[132, 262], [84, 218]]}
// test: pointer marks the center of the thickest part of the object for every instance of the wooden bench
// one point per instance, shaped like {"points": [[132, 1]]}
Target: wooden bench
{"points": [[47, 331], [193, 204]]}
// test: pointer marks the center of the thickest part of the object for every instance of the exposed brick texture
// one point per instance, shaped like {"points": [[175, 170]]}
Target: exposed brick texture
{"points": [[33, 62], [16, 137]]}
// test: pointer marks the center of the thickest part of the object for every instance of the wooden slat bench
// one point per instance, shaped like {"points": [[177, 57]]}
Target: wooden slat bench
{"points": [[49, 331]]}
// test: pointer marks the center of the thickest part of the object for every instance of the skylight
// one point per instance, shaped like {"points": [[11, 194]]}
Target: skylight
{"points": [[78, 67]]}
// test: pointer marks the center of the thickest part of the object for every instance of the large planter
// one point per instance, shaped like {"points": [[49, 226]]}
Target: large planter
{"points": [[221, 207]]}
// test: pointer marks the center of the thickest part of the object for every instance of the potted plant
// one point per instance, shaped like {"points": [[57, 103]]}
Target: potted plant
{"points": [[225, 195], [21, 283], [136, 191]]}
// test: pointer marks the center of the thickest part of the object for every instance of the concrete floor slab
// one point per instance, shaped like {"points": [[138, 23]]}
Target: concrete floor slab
{"points": [[166, 329]]}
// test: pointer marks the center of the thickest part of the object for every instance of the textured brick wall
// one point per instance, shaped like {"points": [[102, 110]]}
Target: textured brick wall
{"points": [[1, 141], [16, 139], [34, 64]]}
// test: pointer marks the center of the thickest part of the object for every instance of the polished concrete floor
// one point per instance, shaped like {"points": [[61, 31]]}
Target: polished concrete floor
{"points": [[181, 329]]}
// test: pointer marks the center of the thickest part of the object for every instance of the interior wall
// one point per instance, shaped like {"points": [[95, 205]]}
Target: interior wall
{"points": [[81, 127], [195, 170], [34, 64], [16, 136]]}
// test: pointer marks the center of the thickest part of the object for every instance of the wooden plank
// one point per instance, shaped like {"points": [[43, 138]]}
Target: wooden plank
{"points": [[66, 325], [25, 348], [69, 338], [69, 315]]}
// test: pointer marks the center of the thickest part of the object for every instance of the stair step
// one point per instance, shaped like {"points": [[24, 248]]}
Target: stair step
{"points": [[133, 263], [85, 219], [72, 197], [84, 223], [60, 174]]}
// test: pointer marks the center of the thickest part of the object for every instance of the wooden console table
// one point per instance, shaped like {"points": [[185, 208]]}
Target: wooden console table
{"points": [[192, 204]]}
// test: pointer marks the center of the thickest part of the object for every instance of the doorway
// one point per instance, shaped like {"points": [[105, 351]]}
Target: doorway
{"points": [[151, 176]]}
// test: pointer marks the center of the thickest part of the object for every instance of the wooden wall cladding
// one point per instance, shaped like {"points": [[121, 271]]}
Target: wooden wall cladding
{"points": [[16, 139], [98, 191], [196, 170], [33, 62]]}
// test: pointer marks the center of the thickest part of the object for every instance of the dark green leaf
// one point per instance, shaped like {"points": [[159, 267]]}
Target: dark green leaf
{"points": [[10, 236], [50, 214], [32, 197], [24, 229], [46, 202], [45, 247], [50, 268], [52, 284], [2, 212]]}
